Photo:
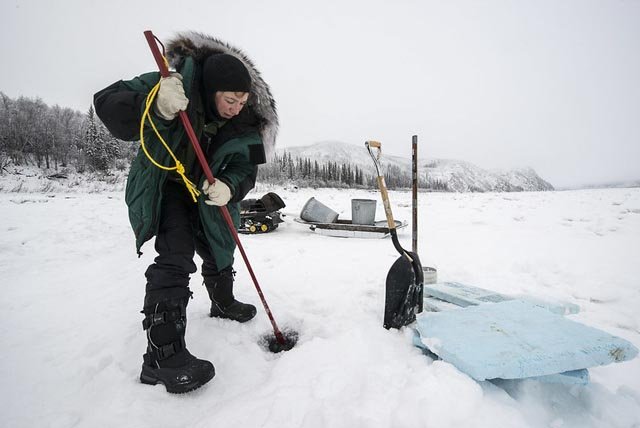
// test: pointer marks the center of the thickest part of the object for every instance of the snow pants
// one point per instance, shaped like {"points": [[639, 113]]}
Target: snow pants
{"points": [[179, 237]]}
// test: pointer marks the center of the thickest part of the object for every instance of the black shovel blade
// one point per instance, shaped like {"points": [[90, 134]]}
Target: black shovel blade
{"points": [[403, 292]]}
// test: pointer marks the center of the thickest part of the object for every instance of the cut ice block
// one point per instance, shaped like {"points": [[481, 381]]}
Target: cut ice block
{"points": [[571, 377], [515, 339]]}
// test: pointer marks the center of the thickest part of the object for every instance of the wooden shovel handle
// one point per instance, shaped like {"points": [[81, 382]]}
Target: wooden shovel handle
{"points": [[385, 201], [374, 144]]}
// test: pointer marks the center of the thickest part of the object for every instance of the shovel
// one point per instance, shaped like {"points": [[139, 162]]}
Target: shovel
{"points": [[404, 286]]}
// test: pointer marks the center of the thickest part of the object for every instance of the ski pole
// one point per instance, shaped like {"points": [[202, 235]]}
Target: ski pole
{"points": [[164, 72]]}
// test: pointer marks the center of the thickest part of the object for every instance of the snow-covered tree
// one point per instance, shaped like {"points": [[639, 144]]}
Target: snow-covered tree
{"points": [[101, 148]]}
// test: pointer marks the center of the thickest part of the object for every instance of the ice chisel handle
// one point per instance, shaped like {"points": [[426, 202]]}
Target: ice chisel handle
{"points": [[162, 65], [164, 72]]}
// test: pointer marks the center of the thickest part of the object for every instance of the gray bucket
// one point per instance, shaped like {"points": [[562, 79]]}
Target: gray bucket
{"points": [[430, 275], [363, 211], [316, 212]]}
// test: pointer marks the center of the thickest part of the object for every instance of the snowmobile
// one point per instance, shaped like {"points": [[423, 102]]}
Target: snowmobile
{"points": [[261, 215]]}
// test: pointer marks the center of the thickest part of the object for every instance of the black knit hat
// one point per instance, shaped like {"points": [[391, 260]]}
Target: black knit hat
{"points": [[223, 72]]}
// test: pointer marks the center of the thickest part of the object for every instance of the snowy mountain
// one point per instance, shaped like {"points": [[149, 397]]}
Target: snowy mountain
{"points": [[451, 175]]}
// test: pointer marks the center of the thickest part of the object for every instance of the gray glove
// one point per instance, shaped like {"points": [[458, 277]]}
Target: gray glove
{"points": [[217, 193], [170, 98]]}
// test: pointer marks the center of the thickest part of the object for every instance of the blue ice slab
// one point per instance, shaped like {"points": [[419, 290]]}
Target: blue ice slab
{"points": [[515, 339], [468, 295], [572, 377]]}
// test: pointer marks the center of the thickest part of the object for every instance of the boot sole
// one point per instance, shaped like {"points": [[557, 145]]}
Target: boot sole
{"points": [[227, 317], [217, 312], [151, 376]]}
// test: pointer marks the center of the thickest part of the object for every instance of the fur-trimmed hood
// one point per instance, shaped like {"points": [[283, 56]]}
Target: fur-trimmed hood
{"points": [[200, 46]]}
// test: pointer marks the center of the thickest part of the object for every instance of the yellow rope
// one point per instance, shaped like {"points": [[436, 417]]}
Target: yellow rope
{"points": [[179, 168]]}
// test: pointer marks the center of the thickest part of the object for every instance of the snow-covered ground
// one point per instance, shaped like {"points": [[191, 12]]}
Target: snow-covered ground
{"points": [[72, 340]]}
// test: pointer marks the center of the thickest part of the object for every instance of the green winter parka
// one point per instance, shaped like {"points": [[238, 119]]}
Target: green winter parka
{"points": [[233, 153]]}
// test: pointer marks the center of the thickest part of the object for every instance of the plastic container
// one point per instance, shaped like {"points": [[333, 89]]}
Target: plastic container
{"points": [[430, 275], [363, 211], [316, 212]]}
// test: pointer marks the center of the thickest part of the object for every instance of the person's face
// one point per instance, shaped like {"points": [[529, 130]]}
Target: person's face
{"points": [[229, 104]]}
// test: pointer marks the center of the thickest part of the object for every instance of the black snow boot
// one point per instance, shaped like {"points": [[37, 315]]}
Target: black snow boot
{"points": [[223, 304], [167, 360]]}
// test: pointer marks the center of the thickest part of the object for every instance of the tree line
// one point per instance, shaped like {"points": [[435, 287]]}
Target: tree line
{"points": [[31, 132], [306, 172]]}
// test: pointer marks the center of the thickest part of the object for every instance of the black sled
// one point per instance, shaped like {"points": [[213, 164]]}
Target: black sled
{"points": [[261, 215]]}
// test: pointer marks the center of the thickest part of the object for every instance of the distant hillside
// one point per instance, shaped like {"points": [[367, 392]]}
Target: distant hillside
{"points": [[442, 174]]}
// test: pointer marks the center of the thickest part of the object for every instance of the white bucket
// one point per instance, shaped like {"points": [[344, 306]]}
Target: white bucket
{"points": [[363, 211], [430, 275], [316, 212]]}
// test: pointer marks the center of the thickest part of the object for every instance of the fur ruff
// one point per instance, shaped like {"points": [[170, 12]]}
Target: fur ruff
{"points": [[199, 46]]}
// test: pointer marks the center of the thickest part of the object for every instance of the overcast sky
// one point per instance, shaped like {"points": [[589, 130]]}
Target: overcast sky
{"points": [[551, 84]]}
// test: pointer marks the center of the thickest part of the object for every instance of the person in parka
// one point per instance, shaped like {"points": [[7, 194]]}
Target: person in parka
{"points": [[234, 117]]}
